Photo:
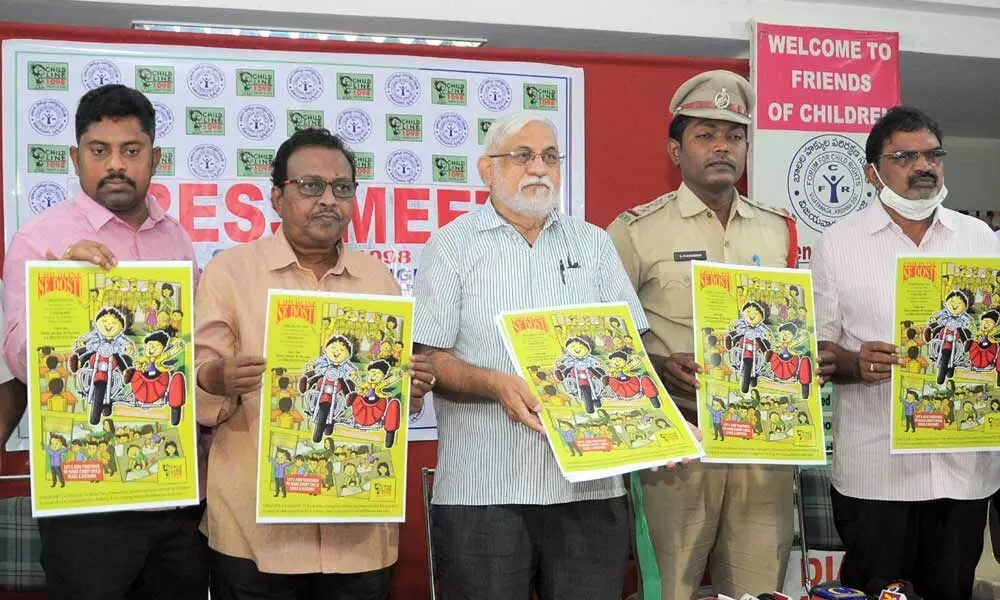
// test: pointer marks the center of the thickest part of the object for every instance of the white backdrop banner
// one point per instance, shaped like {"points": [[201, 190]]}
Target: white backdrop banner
{"points": [[416, 124]]}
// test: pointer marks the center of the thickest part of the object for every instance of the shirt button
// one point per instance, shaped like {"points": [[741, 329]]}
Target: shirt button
{"points": [[726, 244], [709, 214]]}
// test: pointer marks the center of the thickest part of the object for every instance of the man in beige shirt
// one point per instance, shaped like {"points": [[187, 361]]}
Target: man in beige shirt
{"points": [[734, 519], [314, 189]]}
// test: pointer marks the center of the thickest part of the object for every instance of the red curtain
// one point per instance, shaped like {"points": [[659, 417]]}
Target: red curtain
{"points": [[627, 111]]}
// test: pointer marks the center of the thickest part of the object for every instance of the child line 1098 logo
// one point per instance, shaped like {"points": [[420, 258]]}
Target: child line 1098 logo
{"points": [[404, 128], [483, 126], [450, 169], [45, 195], [255, 82], [48, 76], [254, 162], [826, 180], [154, 80], [450, 92], [43, 158], [540, 96], [299, 120], [356, 86], [98, 73], [167, 166], [205, 121], [364, 165]]}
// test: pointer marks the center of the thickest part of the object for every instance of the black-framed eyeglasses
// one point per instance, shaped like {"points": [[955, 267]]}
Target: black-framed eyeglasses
{"points": [[314, 187], [904, 158], [523, 156]]}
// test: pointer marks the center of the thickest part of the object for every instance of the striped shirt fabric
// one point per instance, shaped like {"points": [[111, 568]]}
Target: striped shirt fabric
{"points": [[470, 271], [853, 276]]}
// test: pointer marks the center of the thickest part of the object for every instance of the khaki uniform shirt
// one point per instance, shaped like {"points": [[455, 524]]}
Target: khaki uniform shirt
{"points": [[657, 242]]}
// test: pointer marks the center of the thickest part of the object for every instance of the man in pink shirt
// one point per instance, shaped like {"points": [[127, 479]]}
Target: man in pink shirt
{"points": [[134, 554]]}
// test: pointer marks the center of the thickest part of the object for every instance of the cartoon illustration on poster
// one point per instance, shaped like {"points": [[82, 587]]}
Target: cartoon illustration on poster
{"points": [[334, 416], [111, 396], [604, 409], [755, 339], [946, 394]]}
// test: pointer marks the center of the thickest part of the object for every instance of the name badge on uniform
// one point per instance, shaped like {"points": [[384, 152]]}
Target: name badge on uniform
{"points": [[687, 255]]}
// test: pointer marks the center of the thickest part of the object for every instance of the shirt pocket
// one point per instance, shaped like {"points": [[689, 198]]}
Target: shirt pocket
{"points": [[668, 290], [581, 286]]}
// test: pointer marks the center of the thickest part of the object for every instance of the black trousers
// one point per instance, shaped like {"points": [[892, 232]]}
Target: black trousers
{"points": [[935, 544], [238, 579], [573, 551], [125, 556]]}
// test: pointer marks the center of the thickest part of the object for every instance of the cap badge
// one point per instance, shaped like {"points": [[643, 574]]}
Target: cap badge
{"points": [[722, 99]]}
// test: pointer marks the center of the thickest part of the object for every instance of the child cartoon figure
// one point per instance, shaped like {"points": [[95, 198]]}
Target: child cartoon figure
{"points": [[786, 364], [747, 341], [151, 380], [373, 403], [947, 331], [910, 401], [56, 398], [286, 416], [983, 349], [107, 353], [718, 410], [56, 451], [624, 381], [136, 459], [352, 479], [327, 382], [580, 373], [280, 463], [568, 434]]}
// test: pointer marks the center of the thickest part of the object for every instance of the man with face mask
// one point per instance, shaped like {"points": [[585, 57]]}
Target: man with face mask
{"points": [[915, 517], [506, 522]]}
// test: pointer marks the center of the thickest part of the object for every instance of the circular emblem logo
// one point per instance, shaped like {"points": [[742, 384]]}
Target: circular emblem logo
{"points": [[826, 180], [48, 117], [206, 161], [354, 125], [100, 72], [305, 84], [206, 81], [256, 121], [722, 99], [451, 129], [403, 166], [45, 195], [403, 89], [164, 119], [495, 94]]}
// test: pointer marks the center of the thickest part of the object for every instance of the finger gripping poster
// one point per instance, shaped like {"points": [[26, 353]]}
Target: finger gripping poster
{"points": [[605, 411], [111, 400], [945, 394], [333, 422], [755, 340]]}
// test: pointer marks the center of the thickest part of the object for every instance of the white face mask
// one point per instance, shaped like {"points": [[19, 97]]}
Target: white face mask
{"points": [[914, 210]]}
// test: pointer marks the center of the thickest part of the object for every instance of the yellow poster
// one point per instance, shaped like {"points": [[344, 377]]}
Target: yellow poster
{"points": [[111, 395], [605, 411], [945, 397], [755, 340], [333, 420]]}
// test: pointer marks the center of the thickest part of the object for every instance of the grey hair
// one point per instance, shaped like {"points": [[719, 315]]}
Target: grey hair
{"points": [[503, 128]]}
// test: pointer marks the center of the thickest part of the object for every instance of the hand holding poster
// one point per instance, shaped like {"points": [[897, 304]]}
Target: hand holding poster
{"points": [[110, 388], [333, 413], [605, 411], [946, 392], [755, 340]]}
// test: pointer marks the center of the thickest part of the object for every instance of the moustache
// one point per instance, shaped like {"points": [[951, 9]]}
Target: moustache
{"points": [[528, 181], [718, 161], [120, 178], [916, 177], [326, 213]]}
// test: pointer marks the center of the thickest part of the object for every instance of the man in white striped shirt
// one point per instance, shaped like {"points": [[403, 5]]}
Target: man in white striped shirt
{"points": [[917, 517], [506, 522]]}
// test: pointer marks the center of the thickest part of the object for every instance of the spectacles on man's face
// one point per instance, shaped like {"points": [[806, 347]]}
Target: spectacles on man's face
{"points": [[905, 158], [313, 187], [523, 156]]}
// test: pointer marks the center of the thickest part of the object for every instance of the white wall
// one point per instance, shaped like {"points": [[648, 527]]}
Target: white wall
{"points": [[972, 173]]}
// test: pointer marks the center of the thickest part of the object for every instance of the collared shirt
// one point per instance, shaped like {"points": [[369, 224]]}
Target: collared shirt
{"points": [[5, 374], [470, 271], [657, 242], [160, 237], [854, 273], [230, 313]]}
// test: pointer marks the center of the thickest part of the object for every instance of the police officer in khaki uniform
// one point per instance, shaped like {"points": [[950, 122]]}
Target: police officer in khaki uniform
{"points": [[734, 519]]}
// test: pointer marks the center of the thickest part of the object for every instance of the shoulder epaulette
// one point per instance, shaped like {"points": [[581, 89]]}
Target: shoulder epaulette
{"points": [[781, 212], [634, 214]]}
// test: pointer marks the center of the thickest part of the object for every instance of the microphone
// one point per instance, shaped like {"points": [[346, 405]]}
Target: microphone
{"points": [[773, 596], [897, 589], [832, 590]]}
